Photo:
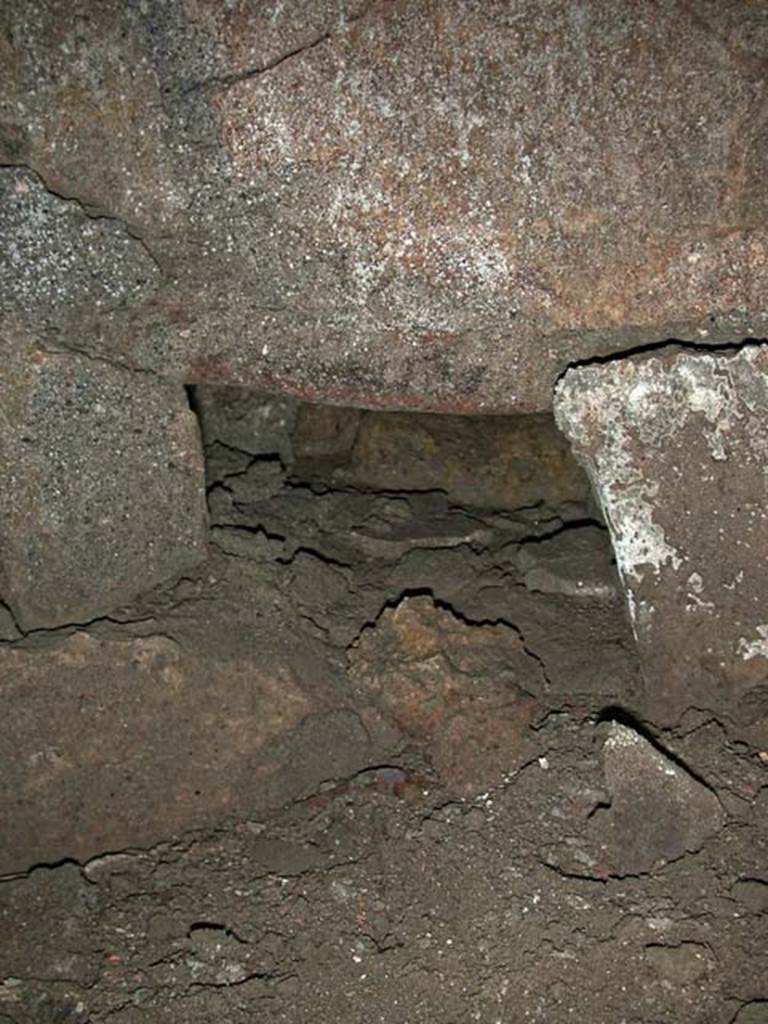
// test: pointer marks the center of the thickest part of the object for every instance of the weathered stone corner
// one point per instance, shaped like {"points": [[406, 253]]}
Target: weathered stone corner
{"points": [[675, 445]]}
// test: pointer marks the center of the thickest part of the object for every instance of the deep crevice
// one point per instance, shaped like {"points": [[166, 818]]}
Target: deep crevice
{"points": [[205, 927], [667, 345], [42, 866]]}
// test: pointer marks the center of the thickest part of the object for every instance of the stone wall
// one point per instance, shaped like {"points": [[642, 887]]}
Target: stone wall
{"points": [[400, 207]]}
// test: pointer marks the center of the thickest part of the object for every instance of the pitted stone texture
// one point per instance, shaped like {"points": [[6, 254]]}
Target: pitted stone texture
{"points": [[676, 448], [428, 204], [54, 258], [103, 492]]}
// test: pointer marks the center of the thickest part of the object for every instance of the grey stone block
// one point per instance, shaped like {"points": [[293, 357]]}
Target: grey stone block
{"points": [[676, 447], [103, 486]]}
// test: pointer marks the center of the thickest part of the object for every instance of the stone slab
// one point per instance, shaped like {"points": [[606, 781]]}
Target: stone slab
{"points": [[103, 490], [483, 461], [676, 447], [434, 205], [122, 743], [577, 562]]}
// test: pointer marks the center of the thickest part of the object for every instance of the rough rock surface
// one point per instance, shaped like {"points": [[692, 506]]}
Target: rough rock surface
{"points": [[103, 485], [753, 1013], [266, 790], [465, 688], [575, 562], [327, 632], [248, 421], [653, 811], [348, 760], [411, 204], [512, 461], [676, 447]]}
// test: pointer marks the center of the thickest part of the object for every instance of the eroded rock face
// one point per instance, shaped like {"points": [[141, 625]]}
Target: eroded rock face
{"points": [[461, 691], [488, 462], [103, 485], [292, 661], [676, 447], [576, 562], [247, 421], [430, 205]]}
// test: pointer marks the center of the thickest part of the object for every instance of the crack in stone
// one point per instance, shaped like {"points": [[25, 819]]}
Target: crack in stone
{"points": [[663, 346], [68, 627], [225, 82], [88, 211]]}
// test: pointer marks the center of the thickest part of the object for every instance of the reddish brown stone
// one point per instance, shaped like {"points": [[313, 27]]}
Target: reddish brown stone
{"points": [[83, 108], [456, 196], [258, 36], [415, 204], [462, 692]]}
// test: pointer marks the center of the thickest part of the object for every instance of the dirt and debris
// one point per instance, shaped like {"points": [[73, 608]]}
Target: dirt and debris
{"points": [[386, 755], [387, 900]]}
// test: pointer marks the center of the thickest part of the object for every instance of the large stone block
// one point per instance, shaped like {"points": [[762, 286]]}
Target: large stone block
{"points": [[432, 204], [123, 742], [676, 447], [103, 485]]}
